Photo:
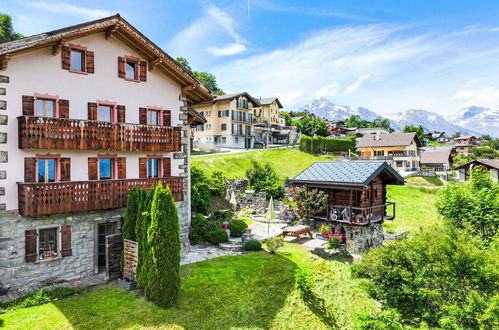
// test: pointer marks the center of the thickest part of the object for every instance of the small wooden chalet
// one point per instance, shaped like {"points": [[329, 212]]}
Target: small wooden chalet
{"points": [[357, 204]]}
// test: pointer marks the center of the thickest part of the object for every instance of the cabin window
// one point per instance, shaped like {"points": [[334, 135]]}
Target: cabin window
{"points": [[153, 169], [153, 117], [47, 243], [104, 113], [47, 170], [77, 60], [106, 168], [45, 108], [131, 70]]}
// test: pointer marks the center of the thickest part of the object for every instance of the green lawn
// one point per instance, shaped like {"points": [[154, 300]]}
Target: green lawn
{"points": [[414, 207], [287, 162], [424, 181], [251, 291]]}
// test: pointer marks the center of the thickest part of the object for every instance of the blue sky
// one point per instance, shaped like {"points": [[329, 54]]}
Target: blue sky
{"points": [[388, 56]]}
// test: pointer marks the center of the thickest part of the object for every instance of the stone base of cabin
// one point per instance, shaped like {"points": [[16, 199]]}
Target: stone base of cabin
{"points": [[359, 239], [16, 273]]}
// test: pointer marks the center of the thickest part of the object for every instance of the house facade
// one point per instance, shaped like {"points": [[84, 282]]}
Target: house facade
{"points": [[490, 165], [470, 139], [400, 150], [438, 159], [90, 111], [229, 122]]}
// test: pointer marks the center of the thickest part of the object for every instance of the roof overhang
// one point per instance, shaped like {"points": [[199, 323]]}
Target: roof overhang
{"points": [[113, 27]]}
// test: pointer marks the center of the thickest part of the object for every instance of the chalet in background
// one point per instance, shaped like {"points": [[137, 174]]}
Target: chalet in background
{"points": [[93, 110], [490, 165]]}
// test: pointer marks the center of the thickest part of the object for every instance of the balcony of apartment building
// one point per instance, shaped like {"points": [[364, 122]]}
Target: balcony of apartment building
{"points": [[242, 117], [75, 134], [242, 130]]}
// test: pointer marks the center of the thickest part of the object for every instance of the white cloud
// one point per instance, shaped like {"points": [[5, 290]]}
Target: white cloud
{"points": [[486, 97], [353, 87], [231, 49], [473, 81], [64, 8], [290, 98], [327, 91]]}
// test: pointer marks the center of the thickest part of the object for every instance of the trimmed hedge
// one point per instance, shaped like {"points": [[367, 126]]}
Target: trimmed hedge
{"points": [[319, 144], [237, 228], [252, 245], [217, 236]]}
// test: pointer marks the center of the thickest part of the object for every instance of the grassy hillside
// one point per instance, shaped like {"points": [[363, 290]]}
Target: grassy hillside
{"points": [[287, 162], [424, 181]]}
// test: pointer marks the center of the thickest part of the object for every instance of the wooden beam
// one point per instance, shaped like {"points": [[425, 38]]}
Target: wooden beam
{"points": [[154, 63], [56, 48], [4, 60], [187, 89], [111, 30]]}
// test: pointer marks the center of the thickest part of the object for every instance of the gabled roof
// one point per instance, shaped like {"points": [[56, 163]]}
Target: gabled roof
{"points": [[388, 140], [435, 157], [269, 100], [488, 162], [230, 97], [113, 27], [194, 117], [347, 173]]}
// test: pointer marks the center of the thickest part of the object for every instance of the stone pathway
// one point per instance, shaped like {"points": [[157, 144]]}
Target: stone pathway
{"points": [[205, 252]]}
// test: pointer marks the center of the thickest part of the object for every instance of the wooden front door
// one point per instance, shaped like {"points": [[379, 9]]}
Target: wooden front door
{"points": [[104, 230]]}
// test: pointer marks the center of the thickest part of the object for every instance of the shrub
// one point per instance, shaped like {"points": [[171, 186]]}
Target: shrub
{"points": [[39, 297], [200, 191], [141, 226], [262, 177], [252, 245], [131, 214], [217, 183], [324, 229], [273, 244], [319, 144], [307, 202], [386, 319], [163, 237], [237, 228], [217, 236], [334, 239], [197, 232], [223, 216]]}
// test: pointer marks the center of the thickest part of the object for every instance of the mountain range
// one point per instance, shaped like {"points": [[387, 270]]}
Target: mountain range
{"points": [[468, 121]]}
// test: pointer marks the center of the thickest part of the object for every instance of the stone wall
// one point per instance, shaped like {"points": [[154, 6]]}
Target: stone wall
{"points": [[246, 199], [15, 272], [4, 80], [359, 238]]}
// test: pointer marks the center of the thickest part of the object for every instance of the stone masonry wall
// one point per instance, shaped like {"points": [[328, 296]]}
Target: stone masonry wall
{"points": [[4, 80], [15, 272]]}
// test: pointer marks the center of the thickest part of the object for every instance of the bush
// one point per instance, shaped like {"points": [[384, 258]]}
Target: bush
{"points": [[217, 236], [237, 228], [319, 144], [39, 297], [223, 216], [131, 214], [262, 177], [386, 319], [163, 237], [439, 277], [141, 226], [198, 230], [200, 191], [252, 245], [324, 229], [273, 244], [333, 242], [217, 183]]}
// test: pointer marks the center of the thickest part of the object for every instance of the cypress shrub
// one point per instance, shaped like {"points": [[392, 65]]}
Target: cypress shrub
{"points": [[131, 215], [163, 238], [143, 221]]}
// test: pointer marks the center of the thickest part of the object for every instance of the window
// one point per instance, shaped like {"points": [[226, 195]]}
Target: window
{"points": [[153, 117], [153, 169], [106, 168], [47, 170], [399, 163], [237, 139], [131, 70], [45, 108], [77, 60], [224, 139], [378, 153], [207, 113], [104, 113], [47, 243], [199, 128], [223, 113], [223, 127], [207, 126]]}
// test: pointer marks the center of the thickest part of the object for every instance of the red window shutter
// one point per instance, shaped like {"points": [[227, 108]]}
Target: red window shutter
{"points": [[143, 70], [30, 245], [167, 118], [142, 167], [63, 108], [66, 250], [121, 167], [29, 169], [121, 67], [167, 169], [121, 113], [92, 111], [89, 62], [28, 105], [66, 58], [92, 168], [143, 116], [65, 169]]}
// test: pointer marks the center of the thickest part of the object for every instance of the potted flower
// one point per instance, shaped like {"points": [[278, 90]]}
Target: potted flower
{"points": [[334, 239]]}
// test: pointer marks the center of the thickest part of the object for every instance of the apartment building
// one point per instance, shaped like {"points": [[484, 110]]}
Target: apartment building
{"points": [[92, 111], [229, 122], [401, 150]]}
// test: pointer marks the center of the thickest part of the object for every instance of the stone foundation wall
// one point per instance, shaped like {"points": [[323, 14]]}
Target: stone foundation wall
{"points": [[359, 238], [249, 201], [15, 272]]}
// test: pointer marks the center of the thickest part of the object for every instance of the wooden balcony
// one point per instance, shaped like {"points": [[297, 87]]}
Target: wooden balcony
{"points": [[361, 216], [76, 196], [74, 134]]}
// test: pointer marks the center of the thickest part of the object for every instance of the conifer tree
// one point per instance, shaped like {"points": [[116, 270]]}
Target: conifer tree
{"points": [[131, 215], [143, 221]]}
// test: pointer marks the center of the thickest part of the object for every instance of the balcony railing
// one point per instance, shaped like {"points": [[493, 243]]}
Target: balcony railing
{"points": [[359, 215], [74, 134], [77, 196]]}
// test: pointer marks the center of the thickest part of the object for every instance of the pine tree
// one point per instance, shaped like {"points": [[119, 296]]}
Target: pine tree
{"points": [[163, 237], [131, 215], [143, 222]]}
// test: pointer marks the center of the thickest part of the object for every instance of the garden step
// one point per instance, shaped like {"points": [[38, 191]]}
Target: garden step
{"points": [[235, 240], [231, 247]]}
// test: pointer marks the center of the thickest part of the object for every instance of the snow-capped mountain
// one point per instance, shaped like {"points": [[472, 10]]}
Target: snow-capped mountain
{"points": [[466, 122], [483, 120]]}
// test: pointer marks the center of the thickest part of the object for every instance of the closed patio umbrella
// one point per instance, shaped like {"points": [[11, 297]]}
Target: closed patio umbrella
{"points": [[270, 214]]}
